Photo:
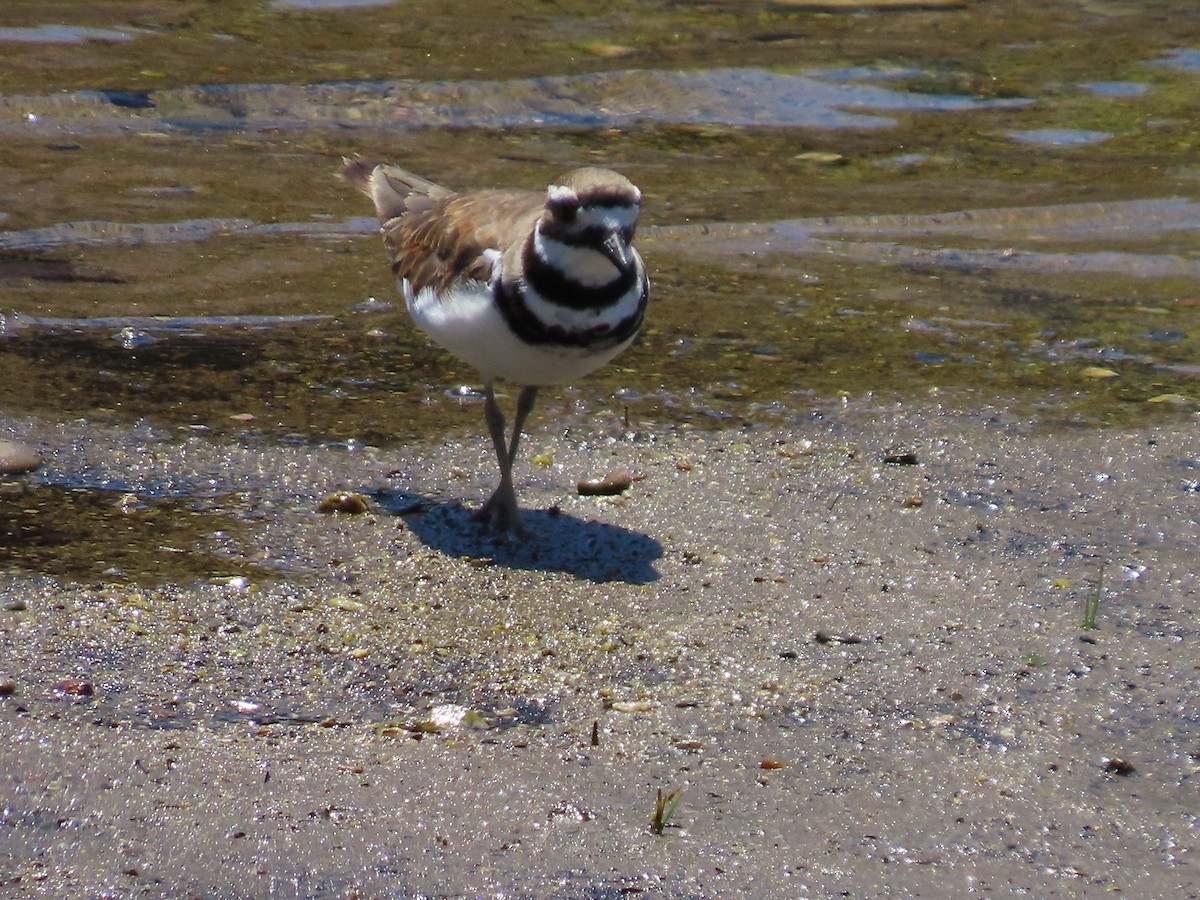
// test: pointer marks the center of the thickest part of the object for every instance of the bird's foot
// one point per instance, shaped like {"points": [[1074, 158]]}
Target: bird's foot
{"points": [[501, 516]]}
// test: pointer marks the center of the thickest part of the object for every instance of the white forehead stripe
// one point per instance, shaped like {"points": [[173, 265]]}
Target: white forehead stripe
{"points": [[607, 217], [560, 192]]}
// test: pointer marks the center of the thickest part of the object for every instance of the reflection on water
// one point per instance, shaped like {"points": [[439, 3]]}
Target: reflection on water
{"points": [[61, 34], [220, 278], [788, 341], [1059, 137], [751, 323], [132, 325], [1116, 88], [327, 4], [1185, 59], [729, 97], [105, 536]]}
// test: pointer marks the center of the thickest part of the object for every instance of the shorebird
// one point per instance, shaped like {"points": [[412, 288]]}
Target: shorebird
{"points": [[533, 288]]}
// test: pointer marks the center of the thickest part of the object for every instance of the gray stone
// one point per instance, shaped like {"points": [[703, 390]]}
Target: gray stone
{"points": [[17, 457]]}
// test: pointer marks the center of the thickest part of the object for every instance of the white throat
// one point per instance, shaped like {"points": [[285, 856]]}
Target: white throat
{"points": [[589, 267]]}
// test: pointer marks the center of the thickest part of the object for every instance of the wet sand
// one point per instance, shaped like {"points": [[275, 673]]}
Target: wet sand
{"points": [[867, 677]]}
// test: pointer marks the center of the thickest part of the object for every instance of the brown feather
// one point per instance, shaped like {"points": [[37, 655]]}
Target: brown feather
{"points": [[436, 237], [601, 186]]}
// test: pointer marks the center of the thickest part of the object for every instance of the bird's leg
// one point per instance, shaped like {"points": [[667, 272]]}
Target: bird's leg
{"points": [[494, 416], [500, 512], [524, 408]]}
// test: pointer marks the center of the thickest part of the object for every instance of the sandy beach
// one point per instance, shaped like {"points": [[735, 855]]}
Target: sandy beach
{"points": [[856, 648]]}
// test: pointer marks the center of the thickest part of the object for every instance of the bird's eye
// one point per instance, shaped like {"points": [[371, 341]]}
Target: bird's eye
{"points": [[565, 209]]}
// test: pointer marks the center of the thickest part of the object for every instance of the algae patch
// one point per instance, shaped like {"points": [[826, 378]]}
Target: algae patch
{"points": [[91, 535]]}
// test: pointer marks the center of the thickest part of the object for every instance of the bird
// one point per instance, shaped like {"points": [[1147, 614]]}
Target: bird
{"points": [[529, 287]]}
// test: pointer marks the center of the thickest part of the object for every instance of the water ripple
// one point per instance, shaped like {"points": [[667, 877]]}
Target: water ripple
{"points": [[1184, 59], [134, 331], [62, 34], [859, 237], [1059, 137], [1003, 230], [734, 96]]}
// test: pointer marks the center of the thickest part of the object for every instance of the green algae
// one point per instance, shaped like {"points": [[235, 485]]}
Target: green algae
{"points": [[758, 339], [792, 333], [96, 536]]}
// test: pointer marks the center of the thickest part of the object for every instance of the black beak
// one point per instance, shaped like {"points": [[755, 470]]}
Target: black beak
{"points": [[618, 250]]}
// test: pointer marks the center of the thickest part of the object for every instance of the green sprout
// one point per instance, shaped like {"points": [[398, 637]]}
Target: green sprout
{"points": [[664, 809], [1091, 603]]}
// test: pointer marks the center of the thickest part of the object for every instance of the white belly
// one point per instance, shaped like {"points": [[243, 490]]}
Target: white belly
{"points": [[469, 325]]}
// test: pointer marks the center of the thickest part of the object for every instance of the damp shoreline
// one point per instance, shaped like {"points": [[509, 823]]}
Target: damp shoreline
{"points": [[857, 639]]}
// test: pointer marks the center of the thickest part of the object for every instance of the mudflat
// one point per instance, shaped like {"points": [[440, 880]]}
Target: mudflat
{"points": [[858, 648]]}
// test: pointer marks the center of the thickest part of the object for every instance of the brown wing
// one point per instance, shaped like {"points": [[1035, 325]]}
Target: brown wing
{"points": [[445, 243], [436, 237]]}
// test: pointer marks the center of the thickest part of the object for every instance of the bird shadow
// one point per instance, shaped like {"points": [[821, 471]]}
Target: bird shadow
{"points": [[557, 541]]}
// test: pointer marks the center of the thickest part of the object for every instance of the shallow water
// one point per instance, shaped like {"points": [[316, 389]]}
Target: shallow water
{"points": [[223, 210], [125, 536], [837, 205]]}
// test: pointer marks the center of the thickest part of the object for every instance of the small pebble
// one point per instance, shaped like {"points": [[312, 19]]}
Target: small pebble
{"points": [[16, 457], [633, 706], [1173, 399], [343, 502], [822, 637], [75, 687], [1116, 766], [900, 457], [821, 158], [609, 486]]}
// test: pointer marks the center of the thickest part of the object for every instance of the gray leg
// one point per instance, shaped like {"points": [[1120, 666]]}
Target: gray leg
{"points": [[494, 416], [524, 408], [500, 512]]}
